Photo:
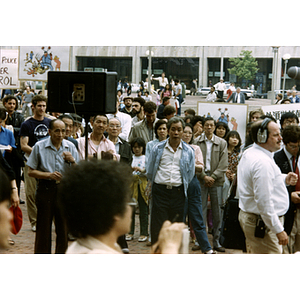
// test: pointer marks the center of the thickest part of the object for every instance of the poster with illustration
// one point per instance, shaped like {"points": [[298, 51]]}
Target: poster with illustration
{"points": [[235, 115], [36, 61]]}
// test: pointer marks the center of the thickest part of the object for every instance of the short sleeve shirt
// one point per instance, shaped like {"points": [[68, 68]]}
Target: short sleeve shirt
{"points": [[36, 130]]}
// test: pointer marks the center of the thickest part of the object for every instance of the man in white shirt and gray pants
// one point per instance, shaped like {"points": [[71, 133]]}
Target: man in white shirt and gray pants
{"points": [[262, 191]]}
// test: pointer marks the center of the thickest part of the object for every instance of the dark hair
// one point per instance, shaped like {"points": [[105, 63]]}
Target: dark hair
{"points": [[61, 117], [3, 113], [5, 190], [8, 98], [190, 111], [140, 100], [197, 119], [188, 117], [157, 125], [209, 119], [102, 115], [191, 126], [288, 115], [37, 98], [150, 107], [87, 203], [291, 134], [141, 143], [219, 124], [165, 99], [234, 133], [168, 110]]}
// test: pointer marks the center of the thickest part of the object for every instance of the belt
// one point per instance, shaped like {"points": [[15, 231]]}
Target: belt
{"points": [[170, 187], [259, 216]]}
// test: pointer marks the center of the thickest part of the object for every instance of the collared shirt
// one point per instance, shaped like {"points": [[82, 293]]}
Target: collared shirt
{"points": [[91, 245], [238, 98], [117, 144], [168, 171], [135, 120], [46, 158], [261, 187], [290, 158], [104, 145], [209, 144], [220, 86]]}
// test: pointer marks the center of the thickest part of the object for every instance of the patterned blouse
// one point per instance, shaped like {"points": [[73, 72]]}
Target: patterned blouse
{"points": [[233, 160]]}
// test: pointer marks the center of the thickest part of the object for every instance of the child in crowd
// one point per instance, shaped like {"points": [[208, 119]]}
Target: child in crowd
{"points": [[138, 165]]}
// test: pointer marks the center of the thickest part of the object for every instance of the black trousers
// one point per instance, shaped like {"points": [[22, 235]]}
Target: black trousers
{"points": [[47, 211], [166, 205]]}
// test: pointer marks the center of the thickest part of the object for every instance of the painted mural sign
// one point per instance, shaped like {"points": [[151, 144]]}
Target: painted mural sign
{"points": [[234, 115], [36, 61]]}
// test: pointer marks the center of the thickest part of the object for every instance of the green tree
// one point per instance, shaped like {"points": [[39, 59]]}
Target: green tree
{"points": [[244, 66]]}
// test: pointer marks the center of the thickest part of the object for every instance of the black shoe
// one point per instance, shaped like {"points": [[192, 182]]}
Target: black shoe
{"points": [[196, 247], [22, 201], [219, 249]]}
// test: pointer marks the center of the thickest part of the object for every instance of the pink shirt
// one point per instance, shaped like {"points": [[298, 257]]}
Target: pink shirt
{"points": [[104, 145], [198, 155]]}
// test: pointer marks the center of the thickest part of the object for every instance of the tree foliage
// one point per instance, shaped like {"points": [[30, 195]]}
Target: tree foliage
{"points": [[244, 66]]}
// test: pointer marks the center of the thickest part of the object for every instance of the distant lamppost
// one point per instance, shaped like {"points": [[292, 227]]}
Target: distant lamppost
{"points": [[286, 58], [149, 53]]}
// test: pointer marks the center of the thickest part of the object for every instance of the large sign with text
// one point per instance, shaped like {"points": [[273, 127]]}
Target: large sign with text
{"points": [[9, 60], [276, 111]]}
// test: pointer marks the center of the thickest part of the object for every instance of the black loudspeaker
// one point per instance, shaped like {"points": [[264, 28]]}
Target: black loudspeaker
{"points": [[84, 93], [262, 134], [294, 73]]}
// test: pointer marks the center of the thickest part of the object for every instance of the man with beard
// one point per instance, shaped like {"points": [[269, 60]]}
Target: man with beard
{"points": [[127, 109], [138, 109]]}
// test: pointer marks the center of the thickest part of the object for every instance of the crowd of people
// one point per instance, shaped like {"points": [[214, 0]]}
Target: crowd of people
{"points": [[176, 171]]}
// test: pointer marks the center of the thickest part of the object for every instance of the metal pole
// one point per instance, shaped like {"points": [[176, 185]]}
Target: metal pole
{"points": [[285, 65], [149, 70]]}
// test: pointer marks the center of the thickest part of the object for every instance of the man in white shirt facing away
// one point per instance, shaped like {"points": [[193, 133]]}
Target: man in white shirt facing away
{"points": [[262, 191]]}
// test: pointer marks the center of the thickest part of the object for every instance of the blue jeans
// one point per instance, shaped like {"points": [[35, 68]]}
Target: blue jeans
{"points": [[193, 207], [214, 194]]}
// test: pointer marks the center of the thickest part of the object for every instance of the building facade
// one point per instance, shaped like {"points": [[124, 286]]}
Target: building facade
{"points": [[204, 63]]}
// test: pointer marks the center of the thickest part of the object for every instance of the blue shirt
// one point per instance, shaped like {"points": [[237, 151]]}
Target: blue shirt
{"points": [[46, 158], [7, 138]]}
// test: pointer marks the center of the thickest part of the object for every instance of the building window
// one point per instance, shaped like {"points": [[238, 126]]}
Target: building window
{"points": [[121, 65]]}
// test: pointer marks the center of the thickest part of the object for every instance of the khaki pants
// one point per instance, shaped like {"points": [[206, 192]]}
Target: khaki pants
{"points": [[267, 245], [30, 189]]}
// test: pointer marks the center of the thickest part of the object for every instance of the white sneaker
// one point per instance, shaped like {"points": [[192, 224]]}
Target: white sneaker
{"points": [[33, 228], [210, 252]]}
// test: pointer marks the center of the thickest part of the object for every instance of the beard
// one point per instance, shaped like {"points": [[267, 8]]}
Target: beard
{"points": [[135, 112]]}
